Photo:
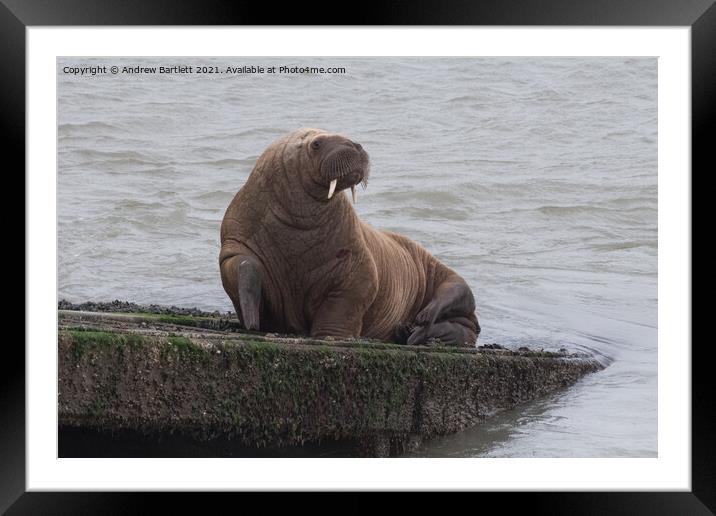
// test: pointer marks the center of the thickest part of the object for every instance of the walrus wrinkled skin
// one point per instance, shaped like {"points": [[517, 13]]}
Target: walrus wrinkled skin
{"points": [[295, 257]]}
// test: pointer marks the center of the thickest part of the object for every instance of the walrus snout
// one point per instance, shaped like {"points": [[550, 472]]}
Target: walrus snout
{"points": [[344, 165]]}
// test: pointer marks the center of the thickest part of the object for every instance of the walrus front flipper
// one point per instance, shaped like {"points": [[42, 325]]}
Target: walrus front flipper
{"points": [[249, 291], [241, 276]]}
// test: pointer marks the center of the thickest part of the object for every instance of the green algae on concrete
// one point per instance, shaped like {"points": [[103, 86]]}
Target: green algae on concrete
{"points": [[194, 321], [190, 321], [266, 391]]}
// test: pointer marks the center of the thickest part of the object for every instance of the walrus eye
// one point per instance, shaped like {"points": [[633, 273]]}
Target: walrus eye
{"points": [[315, 145]]}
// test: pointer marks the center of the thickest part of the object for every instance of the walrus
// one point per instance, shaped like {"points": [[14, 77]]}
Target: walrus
{"points": [[295, 258]]}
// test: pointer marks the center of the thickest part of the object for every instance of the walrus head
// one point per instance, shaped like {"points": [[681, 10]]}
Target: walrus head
{"points": [[311, 165], [338, 162]]}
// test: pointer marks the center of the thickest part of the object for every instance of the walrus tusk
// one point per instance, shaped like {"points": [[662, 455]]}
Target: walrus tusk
{"points": [[354, 193], [332, 188]]}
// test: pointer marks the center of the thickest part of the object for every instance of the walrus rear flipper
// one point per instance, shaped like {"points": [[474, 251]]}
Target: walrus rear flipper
{"points": [[449, 316], [249, 292], [458, 331]]}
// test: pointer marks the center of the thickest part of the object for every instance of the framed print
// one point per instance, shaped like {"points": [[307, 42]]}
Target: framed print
{"points": [[467, 265]]}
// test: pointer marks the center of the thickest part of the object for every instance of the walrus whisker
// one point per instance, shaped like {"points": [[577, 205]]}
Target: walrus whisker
{"points": [[338, 167], [344, 166]]}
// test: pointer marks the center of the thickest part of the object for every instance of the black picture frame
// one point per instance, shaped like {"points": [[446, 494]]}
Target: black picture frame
{"points": [[700, 15]]}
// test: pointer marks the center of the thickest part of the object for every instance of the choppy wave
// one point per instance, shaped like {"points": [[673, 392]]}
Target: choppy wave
{"points": [[85, 129]]}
